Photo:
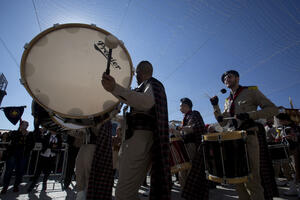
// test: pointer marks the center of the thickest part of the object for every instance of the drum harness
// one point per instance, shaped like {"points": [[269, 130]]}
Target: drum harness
{"points": [[139, 120]]}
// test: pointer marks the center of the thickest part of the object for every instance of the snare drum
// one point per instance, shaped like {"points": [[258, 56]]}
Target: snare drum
{"points": [[278, 152], [180, 159], [226, 157], [62, 71]]}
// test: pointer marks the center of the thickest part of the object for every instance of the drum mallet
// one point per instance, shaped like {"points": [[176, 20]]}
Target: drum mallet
{"points": [[111, 42], [222, 91]]}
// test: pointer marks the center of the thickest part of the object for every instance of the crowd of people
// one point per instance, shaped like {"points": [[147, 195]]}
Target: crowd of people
{"points": [[141, 145]]}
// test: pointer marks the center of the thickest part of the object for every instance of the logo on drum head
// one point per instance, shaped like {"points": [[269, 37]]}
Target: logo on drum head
{"points": [[100, 46]]}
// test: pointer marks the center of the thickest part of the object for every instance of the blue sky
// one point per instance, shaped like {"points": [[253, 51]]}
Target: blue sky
{"points": [[189, 42]]}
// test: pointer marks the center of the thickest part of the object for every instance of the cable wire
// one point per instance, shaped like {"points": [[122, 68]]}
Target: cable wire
{"points": [[36, 15], [10, 53]]}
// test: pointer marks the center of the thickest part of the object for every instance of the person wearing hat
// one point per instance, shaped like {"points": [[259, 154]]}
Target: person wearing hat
{"points": [[193, 181], [241, 107]]}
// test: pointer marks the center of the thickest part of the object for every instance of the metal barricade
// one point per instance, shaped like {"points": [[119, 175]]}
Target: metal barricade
{"points": [[60, 164]]}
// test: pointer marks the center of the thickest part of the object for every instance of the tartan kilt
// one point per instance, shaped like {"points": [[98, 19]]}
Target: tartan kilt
{"points": [[161, 173], [101, 176], [266, 168], [197, 186]]}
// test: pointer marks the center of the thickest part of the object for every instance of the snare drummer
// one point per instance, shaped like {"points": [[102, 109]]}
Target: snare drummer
{"points": [[242, 104], [147, 136], [192, 120], [193, 181]]}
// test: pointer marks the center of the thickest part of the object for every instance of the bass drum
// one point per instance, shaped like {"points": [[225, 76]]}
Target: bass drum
{"points": [[62, 71]]}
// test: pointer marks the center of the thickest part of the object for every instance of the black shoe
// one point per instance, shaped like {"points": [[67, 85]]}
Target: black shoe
{"points": [[30, 187], [145, 185], [4, 190]]}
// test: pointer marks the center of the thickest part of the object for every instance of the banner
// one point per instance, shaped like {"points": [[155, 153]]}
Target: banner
{"points": [[13, 114]]}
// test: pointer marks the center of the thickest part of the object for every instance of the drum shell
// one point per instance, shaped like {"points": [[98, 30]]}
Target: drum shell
{"points": [[226, 160], [179, 159]]}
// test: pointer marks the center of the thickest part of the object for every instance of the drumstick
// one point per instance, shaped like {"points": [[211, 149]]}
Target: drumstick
{"points": [[108, 57], [222, 91], [206, 95], [228, 118], [108, 62]]}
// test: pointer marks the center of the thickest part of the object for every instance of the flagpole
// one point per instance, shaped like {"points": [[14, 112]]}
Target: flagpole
{"points": [[2, 108]]}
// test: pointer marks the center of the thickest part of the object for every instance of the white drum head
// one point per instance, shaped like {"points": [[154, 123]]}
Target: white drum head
{"points": [[62, 70]]}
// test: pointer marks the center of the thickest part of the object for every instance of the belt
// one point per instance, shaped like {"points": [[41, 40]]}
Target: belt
{"points": [[142, 127], [92, 142]]}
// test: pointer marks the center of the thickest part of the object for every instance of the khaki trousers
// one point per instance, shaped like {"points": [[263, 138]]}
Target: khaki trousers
{"points": [[115, 159], [134, 161], [252, 189], [83, 166]]}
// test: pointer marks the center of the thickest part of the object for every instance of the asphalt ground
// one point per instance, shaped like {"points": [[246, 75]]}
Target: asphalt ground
{"points": [[55, 191]]}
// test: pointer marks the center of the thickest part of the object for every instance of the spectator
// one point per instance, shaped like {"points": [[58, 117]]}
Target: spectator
{"points": [[21, 143], [51, 144]]}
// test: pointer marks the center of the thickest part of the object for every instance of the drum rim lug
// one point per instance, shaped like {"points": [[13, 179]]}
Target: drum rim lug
{"points": [[22, 81], [26, 45]]}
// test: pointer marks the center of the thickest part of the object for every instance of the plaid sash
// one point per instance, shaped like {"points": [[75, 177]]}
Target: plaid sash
{"points": [[101, 176], [196, 186], [161, 173]]}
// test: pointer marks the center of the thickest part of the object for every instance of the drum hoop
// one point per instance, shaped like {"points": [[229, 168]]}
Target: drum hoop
{"points": [[234, 135], [181, 167], [54, 120], [84, 126], [273, 146], [60, 128], [176, 139], [54, 28], [228, 180]]}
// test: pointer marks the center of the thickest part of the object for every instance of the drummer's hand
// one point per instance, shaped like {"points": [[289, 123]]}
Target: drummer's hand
{"points": [[187, 129], [214, 100], [108, 82], [220, 118]]}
